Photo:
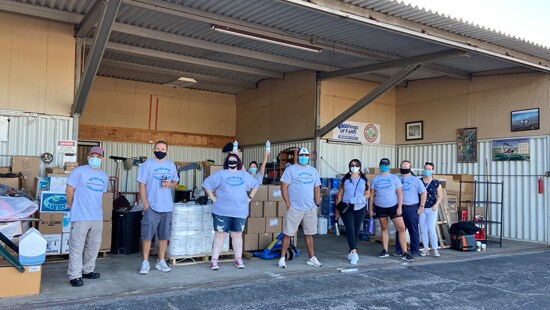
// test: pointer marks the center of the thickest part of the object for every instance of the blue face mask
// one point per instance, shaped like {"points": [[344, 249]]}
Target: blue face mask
{"points": [[253, 170], [384, 168], [94, 162], [428, 173], [303, 160]]}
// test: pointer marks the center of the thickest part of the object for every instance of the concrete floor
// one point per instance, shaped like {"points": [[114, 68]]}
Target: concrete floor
{"points": [[119, 273]]}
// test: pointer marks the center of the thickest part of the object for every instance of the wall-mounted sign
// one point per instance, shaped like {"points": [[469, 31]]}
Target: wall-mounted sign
{"points": [[357, 132], [66, 147]]}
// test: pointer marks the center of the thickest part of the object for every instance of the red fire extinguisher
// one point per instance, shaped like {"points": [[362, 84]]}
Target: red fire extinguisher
{"points": [[541, 186]]}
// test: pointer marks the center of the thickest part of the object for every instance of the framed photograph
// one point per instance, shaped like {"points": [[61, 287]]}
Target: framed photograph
{"points": [[466, 140], [522, 120], [414, 131], [510, 149]]}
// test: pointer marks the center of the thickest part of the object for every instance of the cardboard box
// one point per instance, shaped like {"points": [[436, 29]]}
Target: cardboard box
{"points": [[210, 170], [70, 165], [11, 182], [273, 225], [256, 209], [51, 223], [29, 168], [270, 209], [53, 202], [5, 169], [274, 193], [65, 243], [106, 236], [255, 226], [107, 206], [281, 209], [40, 185], [264, 240], [250, 242], [58, 184], [261, 193], [15, 283], [54, 244], [55, 170]]}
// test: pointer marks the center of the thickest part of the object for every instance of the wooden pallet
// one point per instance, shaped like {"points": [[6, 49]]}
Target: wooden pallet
{"points": [[65, 257], [185, 260]]}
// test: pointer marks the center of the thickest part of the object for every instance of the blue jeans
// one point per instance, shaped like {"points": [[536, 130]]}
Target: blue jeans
{"points": [[227, 224], [410, 217]]}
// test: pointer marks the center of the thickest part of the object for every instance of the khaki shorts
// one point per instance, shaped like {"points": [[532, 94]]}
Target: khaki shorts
{"points": [[294, 217]]}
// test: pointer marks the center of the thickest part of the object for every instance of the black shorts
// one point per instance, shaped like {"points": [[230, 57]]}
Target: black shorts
{"points": [[385, 212]]}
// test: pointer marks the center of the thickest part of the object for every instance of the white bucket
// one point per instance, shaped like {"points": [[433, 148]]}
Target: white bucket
{"points": [[32, 248], [322, 225]]}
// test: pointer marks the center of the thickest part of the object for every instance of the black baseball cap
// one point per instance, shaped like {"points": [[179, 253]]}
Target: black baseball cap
{"points": [[384, 162]]}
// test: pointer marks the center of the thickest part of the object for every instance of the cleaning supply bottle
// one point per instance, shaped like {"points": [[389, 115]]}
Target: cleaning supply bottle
{"points": [[235, 146], [268, 147]]}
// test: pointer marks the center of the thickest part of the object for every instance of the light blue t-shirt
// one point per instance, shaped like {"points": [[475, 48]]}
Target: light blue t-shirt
{"points": [[231, 189], [385, 187], [301, 181], [259, 178], [151, 173], [412, 187], [89, 186], [354, 187]]}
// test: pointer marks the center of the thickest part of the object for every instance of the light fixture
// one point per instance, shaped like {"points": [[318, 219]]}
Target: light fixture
{"points": [[259, 37], [182, 82]]}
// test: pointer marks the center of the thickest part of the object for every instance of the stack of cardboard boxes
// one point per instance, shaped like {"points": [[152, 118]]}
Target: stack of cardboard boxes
{"points": [[265, 219]]}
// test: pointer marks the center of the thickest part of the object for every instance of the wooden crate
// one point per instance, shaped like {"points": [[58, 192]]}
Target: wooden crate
{"points": [[185, 260]]}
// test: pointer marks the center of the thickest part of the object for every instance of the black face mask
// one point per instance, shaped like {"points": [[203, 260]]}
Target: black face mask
{"points": [[405, 171], [160, 155], [232, 164]]}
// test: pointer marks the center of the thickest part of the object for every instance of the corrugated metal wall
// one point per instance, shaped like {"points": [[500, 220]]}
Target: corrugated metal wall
{"points": [[33, 135], [128, 178], [334, 157], [525, 210]]}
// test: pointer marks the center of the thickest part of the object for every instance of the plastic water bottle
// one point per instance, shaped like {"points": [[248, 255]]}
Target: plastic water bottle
{"points": [[268, 147], [235, 146]]}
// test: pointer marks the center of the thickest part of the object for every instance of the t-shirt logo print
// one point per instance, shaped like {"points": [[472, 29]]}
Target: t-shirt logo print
{"points": [[384, 183], [161, 172], [95, 184], [305, 178], [234, 181]]}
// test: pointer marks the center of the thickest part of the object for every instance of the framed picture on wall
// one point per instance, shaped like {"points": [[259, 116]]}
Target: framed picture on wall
{"points": [[522, 120], [466, 140], [414, 130]]}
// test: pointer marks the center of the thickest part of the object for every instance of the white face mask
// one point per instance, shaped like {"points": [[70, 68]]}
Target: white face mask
{"points": [[354, 169]]}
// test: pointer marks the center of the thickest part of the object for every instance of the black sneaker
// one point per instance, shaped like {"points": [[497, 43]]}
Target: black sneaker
{"points": [[383, 254], [91, 275], [76, 282], [408, 257]]}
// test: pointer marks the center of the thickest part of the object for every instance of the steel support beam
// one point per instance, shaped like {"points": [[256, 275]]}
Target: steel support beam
{"points": [[373, 95], [140, 51], [101, 36], [393, 63], [91, 19], [177, 73]]}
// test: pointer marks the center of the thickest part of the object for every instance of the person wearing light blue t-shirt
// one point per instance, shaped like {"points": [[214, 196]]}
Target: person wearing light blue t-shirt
{"points": [[228, 190], [387, 201], [85, 188], [156, 178], [258, 174], [300, 187], [414, 199]]}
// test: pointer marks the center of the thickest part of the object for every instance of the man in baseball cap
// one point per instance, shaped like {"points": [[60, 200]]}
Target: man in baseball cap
{"points": [[85, 188]]}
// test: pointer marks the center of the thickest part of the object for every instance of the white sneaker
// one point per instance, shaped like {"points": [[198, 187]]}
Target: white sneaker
{"points": [[436, 253], [350, 255], [425, 252], [162, 266], [282, 263], [144, 267], [314, 262], [354, 258]]}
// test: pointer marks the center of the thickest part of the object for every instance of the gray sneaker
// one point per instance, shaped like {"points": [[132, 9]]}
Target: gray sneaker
{"points": [[144, 267], [354, 258], [162, 266]]}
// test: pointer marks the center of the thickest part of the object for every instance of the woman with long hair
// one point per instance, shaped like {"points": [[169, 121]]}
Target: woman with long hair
{"points": [[351, 205]]}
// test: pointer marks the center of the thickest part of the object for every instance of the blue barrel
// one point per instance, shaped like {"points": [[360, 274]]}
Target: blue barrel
{"points": [[335, 183], [325, 183]]}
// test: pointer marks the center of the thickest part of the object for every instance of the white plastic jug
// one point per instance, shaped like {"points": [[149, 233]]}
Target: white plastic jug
{"points": [[322, 225], [32, 248]]}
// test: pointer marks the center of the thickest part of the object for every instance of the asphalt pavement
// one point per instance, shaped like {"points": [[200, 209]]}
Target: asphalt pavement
{"points": [[507, 281]]}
